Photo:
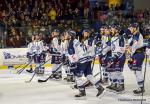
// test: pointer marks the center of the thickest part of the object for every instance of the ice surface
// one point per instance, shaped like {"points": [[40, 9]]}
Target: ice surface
{"points": [[14, 90]]}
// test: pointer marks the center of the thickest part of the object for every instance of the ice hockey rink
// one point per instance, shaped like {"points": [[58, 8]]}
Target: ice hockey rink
{"points": [[14, 90]]}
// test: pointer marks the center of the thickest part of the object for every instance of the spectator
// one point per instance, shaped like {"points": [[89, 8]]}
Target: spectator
{"points": [[52, 14], [81, 7], [17, 41], [60, 13], [29, 15], [68, 4], [10, 42], [86, 8], [76, 13]]}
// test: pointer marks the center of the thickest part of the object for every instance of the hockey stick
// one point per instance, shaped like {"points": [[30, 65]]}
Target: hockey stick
{"points": [[45, 80], [38, 67], [144, 77], [35, 71], [22, 69], [18, 67], [40, 80], [31, 77]]}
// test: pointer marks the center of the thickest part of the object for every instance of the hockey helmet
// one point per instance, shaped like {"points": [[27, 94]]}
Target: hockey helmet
{"points": [[85, 30], [117, 27], [134, 25], [56, 30], [71, 32]]}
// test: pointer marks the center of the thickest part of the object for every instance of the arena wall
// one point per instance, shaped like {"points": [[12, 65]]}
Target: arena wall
{"points": [[141, 4]]}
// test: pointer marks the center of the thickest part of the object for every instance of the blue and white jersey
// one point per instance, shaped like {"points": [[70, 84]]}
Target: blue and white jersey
{"points": [[71, 52], [35, 47], [30, 47], [55, 45], [63, 46], [89, 43], [136, 43], [80, 49], [106, 44], [76, 50], [117, 46]]}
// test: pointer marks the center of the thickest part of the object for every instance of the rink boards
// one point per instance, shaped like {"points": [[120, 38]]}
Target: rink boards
{"points": [[16, 57], [4, 67]]}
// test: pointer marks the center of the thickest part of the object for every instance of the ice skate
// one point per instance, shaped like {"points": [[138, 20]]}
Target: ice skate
{"points": [[120, 89], [100, 91], [81, 94], [112, 87], [139, 91]]}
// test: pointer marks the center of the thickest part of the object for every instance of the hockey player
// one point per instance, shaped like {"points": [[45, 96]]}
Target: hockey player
{"points": [[147, 33], [137, 57], [64, 51], [106, 51], [43, 54], [56, 54], [78, 52], [30, 54], [117, 60], [88, 42], [37, 49]]}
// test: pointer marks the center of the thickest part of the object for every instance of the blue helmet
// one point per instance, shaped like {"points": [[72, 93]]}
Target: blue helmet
{"points": [[85, 30], [135, 25], [117, 27], [71, 32], [56, 30]]}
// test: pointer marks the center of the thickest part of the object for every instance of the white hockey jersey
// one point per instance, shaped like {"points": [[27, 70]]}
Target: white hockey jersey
{"points": [[89, 43], [55, 44], [106, 44], [136, 42], [76, 51], [117, 45], [63, 46], [35, 47]]}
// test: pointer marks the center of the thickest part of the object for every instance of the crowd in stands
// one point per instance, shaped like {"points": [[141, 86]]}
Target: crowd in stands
{"points": [[20, 18]]}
